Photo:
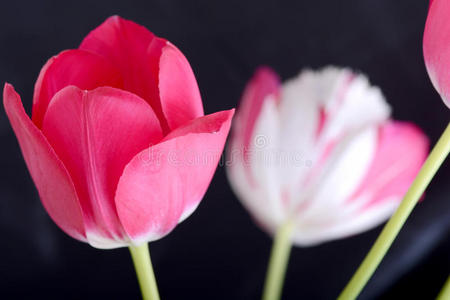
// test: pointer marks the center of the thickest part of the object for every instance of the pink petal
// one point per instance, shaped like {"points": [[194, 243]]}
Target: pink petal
{"points": [[402, 149], [436, 50], [71, 67], [265, 82], [163, 184], [180, 97], [136, 52], [96, 133], [51, 178]]}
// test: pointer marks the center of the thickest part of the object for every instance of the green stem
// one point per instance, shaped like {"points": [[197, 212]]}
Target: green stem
{"points": [[445, 292], [144, 271], [278, 262], [391, 229]]}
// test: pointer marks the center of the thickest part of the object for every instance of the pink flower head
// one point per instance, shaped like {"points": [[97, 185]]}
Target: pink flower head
{"points": [[436, 47], [320, 150], [117, 142]]}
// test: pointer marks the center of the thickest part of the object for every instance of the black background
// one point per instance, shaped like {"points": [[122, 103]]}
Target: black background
{"points": [[218, 253]]}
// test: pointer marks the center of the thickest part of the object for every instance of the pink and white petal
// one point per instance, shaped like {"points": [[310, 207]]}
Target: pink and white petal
{"points": [[353, 104], [71, 67], [343, 223], [401, 150], [254, 198], [136, 52], [265, 82], [248, 143], [96, 133], [341, 175], [51, 178], [318, 87], [436, 50], [180, 97], [99, 240], [364, 220], [164, 183], [325, 105], [264, 163], [299, 114]]}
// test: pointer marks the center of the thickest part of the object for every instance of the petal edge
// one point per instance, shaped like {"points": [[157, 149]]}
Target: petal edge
{"points": [[60, 200], [163, 184]]}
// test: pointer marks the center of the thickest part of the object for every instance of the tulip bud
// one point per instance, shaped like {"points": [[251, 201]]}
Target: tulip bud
{"points": [[118, 145]]}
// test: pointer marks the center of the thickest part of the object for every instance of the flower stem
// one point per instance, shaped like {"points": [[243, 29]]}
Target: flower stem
{"points": [[144, 271], [391, 229], [445, 292], [279, 257]]}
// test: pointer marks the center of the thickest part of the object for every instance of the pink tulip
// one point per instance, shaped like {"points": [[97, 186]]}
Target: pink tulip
{"points": [[320, 151], [116, 137], [436, 47]]}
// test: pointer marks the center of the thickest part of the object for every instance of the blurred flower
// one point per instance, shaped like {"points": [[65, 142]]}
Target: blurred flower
{"points": [[320, 151], [436, 50], [111, 125]]}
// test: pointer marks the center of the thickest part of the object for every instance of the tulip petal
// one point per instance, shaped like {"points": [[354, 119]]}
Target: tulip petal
{"points": [[51, 178], [71, 67], [180, 97], [122, 42], [264, 83], [136, 52], [352, 103], [401, 151], [255, 177], [436, 50], [343, 223], [341, 174], [96, 133], [163, 184], [299, 109], [263, 87]]}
